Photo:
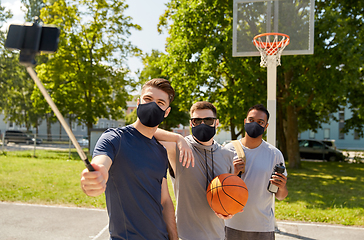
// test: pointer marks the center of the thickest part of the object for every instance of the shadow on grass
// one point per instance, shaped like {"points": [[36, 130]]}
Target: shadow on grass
{"points": [[327, 185]]}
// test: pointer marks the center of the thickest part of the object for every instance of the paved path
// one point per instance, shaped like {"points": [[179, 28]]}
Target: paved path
{"points": [[37, 222], [315, 231]]}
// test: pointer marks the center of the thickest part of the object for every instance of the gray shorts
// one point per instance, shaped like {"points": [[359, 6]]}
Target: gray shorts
{"points": [[233, 234]]}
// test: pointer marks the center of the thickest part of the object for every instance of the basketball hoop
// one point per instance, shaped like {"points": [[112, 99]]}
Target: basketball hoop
{"points": [[272, 45]]}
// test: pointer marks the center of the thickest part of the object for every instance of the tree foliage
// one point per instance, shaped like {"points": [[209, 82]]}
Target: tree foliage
{"points": [[15, 84], [4, 15], [86, 77], [32, 8], [313, 88], [352, 44], [131, 117], [153, 69], [200, 65]]}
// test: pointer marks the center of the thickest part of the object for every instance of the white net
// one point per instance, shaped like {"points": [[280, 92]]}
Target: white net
{"points": [[270, 44]]}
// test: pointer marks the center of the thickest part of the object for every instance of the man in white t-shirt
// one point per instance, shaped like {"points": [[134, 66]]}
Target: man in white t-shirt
{"points": [[257, 220]]}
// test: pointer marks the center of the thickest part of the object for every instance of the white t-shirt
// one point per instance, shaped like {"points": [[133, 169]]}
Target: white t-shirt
{"points": [[258, 214]]}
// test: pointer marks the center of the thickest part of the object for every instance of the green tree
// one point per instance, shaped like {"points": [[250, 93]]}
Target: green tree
{"points": [[17, 89], [32, 9], [310, 88], [41, 110], [15, 85], [153, 69], [131, 117], [200, 65], [352, 38], [86, 77], [356, 105], [4, 15]]}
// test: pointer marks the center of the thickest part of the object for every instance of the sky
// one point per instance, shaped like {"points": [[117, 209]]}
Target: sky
{"points": [[144, 13]]}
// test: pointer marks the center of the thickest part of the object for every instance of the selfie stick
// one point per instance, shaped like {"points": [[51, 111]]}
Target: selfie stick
{"points": [[60, 118], [30, 40]]}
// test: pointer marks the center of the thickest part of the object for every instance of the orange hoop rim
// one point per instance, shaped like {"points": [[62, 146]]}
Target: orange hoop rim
{"points": [[265, 45]]}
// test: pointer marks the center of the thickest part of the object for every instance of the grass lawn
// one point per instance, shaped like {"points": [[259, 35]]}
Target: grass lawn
{"points": [[50, 178], [329, 192], [319, 192]]}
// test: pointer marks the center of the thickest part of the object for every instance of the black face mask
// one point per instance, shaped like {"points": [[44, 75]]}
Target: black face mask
{"points": [[150, 114], [203, 132], [253, 129]]}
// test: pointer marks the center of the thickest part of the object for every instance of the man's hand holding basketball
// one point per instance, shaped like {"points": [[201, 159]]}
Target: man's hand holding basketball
{"points": [[225, 217], [94, 183]]}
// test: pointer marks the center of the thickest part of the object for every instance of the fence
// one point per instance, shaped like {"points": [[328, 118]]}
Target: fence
{"points": [[33, 142]]}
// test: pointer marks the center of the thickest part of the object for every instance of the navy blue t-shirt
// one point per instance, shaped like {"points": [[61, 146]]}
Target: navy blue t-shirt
{"points": [[133, 191]]}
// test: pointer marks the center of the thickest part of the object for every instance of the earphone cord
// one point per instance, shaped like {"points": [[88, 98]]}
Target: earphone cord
{"points": [[207, 169]]}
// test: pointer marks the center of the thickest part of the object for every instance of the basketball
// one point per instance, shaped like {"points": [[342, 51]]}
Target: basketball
{"points": [[227, 194]]}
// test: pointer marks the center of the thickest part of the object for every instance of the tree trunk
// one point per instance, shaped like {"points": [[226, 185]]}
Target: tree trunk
{"points": [[49, 128], [232, 131], [60, 131], [89, 126], [294, 159]]}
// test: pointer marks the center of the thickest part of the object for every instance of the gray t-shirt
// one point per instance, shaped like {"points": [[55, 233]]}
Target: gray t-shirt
{"points": [[195, 219], [258, 214]]}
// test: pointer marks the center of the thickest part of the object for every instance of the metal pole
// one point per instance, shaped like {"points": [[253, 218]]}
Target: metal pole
{"points": [[272, 109], [69, 149], [271, 98], [35, 143], [3, 141]]}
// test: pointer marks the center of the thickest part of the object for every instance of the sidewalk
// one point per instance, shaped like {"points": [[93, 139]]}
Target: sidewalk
{"points": [[319, 231], [20, 221], [43, 222]]}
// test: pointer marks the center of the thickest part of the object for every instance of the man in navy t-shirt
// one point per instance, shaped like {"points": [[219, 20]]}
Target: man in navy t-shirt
{"points": [[130, 167]]}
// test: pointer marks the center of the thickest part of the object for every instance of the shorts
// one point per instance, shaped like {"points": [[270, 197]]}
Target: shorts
{"points": [[233, 234]]}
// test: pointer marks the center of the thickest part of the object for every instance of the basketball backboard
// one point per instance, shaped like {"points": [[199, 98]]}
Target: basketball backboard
{"points": [[292, 17]]}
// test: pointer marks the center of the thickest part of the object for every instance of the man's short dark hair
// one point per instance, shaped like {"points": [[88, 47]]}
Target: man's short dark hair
{"points": [[162, 84], [203, 105], [259, 107]]}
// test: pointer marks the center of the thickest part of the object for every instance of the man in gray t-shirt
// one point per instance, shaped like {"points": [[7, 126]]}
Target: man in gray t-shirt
{"points": [[257, 220], [195, 219]]}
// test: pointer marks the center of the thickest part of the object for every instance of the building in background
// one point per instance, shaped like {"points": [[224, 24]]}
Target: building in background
{"points": [[57, 131], [332, 130]]}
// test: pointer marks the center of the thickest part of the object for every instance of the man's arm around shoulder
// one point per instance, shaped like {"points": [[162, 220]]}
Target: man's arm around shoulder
{"points": [[186, 155]]}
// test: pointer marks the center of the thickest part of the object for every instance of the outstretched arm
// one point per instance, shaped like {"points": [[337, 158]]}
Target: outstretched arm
{"points": [[186, 155]]}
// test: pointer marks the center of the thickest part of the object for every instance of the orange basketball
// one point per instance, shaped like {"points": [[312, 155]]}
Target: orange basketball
{"points": [[227, 194]]}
